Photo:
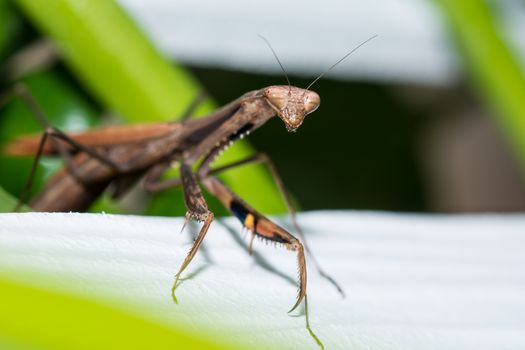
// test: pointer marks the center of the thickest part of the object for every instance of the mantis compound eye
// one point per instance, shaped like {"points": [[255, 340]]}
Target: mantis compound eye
{"points": [[311, 101], [277, 96]]}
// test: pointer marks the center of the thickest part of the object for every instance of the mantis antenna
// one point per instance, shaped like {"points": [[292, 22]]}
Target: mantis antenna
{"points": [[277, 58], [339, 61]]}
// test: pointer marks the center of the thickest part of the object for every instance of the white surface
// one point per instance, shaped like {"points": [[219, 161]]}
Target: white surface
{"points": [[412, 44], [412, 282]]}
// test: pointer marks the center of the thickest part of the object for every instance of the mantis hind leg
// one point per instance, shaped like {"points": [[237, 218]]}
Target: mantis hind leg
{"points": [[56, 137]]}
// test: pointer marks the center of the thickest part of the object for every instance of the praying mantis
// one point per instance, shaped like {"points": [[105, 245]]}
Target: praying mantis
{"points": [[118, 157]]}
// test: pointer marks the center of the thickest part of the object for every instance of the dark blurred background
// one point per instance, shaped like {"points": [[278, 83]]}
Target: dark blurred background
{"points": [[387, 147], [356, 151]]}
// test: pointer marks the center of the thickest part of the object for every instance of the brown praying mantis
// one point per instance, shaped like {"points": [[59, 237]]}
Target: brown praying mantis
{"points": [[120, 156]]}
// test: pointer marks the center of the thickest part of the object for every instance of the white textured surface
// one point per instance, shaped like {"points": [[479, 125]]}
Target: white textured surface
{"points": [[413, 282]]}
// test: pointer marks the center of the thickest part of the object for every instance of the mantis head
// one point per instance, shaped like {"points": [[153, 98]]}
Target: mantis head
{"points": [[291, 103]]}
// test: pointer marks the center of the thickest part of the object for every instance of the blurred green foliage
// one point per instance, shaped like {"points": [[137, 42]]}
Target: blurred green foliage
{"points": [[113, 59], [4, 34], [116, 64], [9, 24], [493, 67], [34, 318], [8, 202]]}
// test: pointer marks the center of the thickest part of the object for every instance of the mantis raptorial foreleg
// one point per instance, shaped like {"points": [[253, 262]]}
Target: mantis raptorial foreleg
{"points": [[197, 209], [194, 248], [259, 226], [265, 229], [152, 184], [263, 158], [251, 219]]}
